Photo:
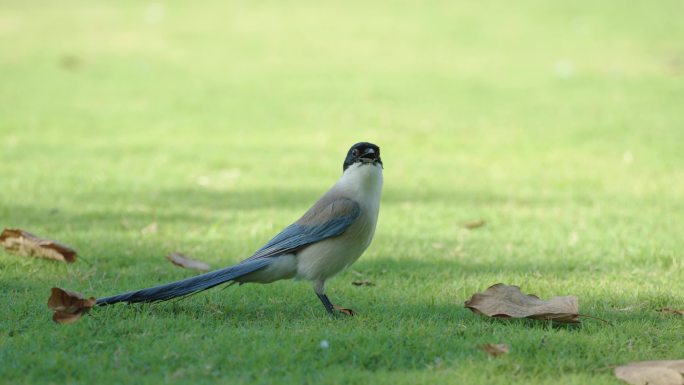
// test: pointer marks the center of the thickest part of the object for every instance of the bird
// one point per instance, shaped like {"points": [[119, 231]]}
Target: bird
{"points": [[327, 239]]}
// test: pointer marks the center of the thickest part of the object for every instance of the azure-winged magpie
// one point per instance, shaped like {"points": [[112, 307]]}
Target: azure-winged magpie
{"points": [[329, 237]]}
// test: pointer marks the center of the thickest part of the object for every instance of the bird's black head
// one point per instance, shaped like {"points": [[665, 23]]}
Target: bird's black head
{"points": [[364, 153]]}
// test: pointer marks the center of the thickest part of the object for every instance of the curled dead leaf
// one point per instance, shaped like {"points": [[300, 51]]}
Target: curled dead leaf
{"points": [[504, 301], [474, 224], [495, 350], [181, 260], [344, 310], [363, 282], [667, 310], [69, 306], [25, 244], [667, 372]]}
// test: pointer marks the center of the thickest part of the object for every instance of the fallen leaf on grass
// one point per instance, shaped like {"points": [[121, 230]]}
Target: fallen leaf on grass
{"points": [[667, 310], [181, 260], [25, 244], [503, 301], [652, 372], [363, 282], [69, 306], [495, 350], [344, 310], [474, 224]]}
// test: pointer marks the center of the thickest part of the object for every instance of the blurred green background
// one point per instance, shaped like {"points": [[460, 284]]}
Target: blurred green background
{"points": [[558, 123]]}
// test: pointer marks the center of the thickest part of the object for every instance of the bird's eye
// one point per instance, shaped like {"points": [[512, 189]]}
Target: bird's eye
{"points": [[355, 152]]}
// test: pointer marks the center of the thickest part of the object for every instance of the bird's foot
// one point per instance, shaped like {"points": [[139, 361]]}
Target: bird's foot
{"points": [[330, 308], [344, 310]]}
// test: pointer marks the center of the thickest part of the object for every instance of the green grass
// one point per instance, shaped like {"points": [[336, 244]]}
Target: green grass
{"points": [[561, 125]]}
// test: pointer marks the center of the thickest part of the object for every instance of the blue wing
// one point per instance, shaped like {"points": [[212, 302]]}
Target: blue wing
{"points": [[326, 219]]}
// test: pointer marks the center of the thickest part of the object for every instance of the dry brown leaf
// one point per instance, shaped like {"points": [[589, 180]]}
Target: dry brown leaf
{"points": [[503, 301], [474, 224], [69, 306], [652, 372], [25, 244], [363, 282], [667, 310], [344, 310], [181, 260], [495, 350]]}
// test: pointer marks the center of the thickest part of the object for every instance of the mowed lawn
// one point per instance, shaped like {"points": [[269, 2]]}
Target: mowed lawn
{"points": [[561, 125]]}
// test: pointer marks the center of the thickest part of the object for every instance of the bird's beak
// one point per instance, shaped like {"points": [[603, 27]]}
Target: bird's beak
{"points": [[369, 156]]}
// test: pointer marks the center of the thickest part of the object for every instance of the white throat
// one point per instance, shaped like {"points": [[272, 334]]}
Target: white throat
{"points": [[363, 183]]}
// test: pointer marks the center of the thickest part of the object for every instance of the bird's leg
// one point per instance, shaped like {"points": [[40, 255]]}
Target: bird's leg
{"points": [[326, 302], [329, 307]]}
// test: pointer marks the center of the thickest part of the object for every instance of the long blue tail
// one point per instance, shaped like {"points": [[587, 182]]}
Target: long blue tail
{"points": [[188, 286]]}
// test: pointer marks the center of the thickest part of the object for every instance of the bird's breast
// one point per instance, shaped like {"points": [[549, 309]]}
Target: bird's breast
{"points": [[328, 257], [321, 260]]}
